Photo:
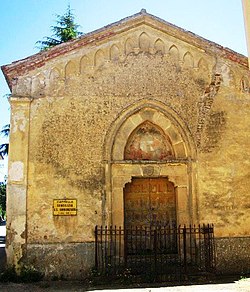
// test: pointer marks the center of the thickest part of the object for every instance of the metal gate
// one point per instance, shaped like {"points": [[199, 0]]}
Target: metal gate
{"points": [[155, 253]]}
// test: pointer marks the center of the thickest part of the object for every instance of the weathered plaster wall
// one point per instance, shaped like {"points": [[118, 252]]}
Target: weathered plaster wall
{"points": [[67, 144], [233, 255], [62, 260], [68, 128], [17, 180], [224, 167], [78, 97]]}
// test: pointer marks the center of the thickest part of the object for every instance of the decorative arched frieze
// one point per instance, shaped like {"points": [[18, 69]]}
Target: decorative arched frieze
{"points": [[174, 52], [114, 53], [38, 85], [244, 85], [84, 64], [159, 46], [54, 74], [99, 58], [22, 86], [56, 81], [188, 60], [71, 69], [129, 46], [232, 78], [144, 42], [224, 70], [202, 65]]}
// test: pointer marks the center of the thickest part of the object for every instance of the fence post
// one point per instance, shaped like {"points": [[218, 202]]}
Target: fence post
{"points": [[207, 247], [213, 248], [125, 246], [153, 250], [155, 254], [96, 247], [185, 248], [115, 249]]}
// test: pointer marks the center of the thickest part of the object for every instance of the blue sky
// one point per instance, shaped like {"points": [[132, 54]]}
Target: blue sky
{"points": [[23, 22]]}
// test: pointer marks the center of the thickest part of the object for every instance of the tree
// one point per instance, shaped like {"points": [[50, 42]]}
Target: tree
{"points": [[2, 199], [4, 148], [65, 30]]}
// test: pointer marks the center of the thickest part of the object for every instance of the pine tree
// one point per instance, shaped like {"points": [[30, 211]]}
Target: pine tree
{"points": [[65, 30], [4, 148]]}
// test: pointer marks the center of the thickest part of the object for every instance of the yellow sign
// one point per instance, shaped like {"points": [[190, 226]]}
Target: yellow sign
{"points": [[65, 207]]}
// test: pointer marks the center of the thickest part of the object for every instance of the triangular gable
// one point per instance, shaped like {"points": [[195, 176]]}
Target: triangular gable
{"points": [[22, 67]]}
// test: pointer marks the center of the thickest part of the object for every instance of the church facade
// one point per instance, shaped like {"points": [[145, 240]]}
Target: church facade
{"points": [[137, 103]]}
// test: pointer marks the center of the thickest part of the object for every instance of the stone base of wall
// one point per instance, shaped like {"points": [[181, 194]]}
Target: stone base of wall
{"points": [[75, 260], [233, 255], [68, 261]]}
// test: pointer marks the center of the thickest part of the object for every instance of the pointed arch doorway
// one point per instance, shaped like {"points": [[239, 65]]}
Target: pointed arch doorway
{"points": [[149, 142], [149, 202], [150, 172]]}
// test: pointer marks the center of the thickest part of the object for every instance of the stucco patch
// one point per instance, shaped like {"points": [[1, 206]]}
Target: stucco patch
{"points": [[19, 122], [16, 171]]}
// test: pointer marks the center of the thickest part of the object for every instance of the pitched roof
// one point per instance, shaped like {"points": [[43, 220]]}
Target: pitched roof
{"points": [[20, 67]]}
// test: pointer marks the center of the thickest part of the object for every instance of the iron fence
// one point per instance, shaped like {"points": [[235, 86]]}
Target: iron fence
{"points": [[161, 253]]}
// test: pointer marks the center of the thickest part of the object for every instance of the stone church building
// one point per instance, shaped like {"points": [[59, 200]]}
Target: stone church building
{"points": [[138, 105]]}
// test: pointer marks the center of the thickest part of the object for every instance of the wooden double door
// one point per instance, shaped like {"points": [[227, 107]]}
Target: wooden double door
{"points": [[149, 202]]}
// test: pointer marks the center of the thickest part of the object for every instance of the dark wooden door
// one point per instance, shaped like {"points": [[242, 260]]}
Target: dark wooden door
{"points": [[149, 202]]}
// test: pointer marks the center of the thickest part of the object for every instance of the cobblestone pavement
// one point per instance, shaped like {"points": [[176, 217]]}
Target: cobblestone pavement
{"points": [[237, 286]]}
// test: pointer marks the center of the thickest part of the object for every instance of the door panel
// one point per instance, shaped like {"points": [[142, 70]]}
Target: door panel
{"points": [[149, 202]]}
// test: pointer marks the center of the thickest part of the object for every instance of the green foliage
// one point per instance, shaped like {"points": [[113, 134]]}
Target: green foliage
{"points": [[2, 199], [27, 275], [6, 130], [9, 275], [4, 148], [65, 30]]}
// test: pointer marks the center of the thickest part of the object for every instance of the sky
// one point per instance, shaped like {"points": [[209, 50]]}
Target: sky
{"points": [[24, 22]]}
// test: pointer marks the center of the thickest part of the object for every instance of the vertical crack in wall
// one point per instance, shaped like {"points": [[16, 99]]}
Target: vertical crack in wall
{"points": [[205, 105]]}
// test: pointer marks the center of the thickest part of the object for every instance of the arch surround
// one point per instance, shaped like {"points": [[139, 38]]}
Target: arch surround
{"points": [[180, 169]]}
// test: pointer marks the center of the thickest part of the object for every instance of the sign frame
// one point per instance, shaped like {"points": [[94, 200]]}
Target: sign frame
{"points": [[64, 207]]}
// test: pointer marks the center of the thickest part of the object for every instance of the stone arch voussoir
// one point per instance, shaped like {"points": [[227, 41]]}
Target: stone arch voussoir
{"points": [[154, 112]]}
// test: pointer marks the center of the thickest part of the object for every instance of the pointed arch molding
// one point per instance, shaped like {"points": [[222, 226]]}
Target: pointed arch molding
{"points": [[156, 113], [180, 170]]}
